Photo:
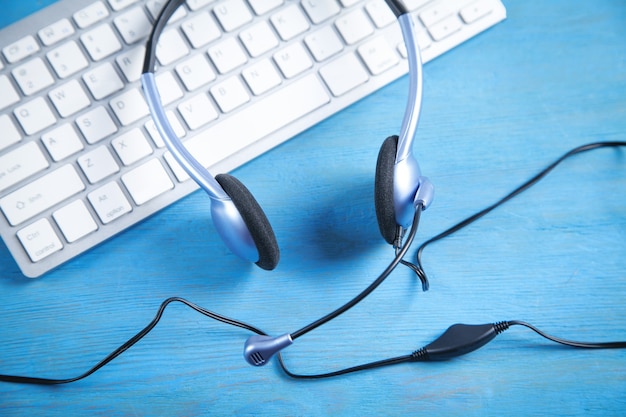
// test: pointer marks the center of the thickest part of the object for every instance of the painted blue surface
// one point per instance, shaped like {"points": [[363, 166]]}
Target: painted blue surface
{"points": [[496, 110]]}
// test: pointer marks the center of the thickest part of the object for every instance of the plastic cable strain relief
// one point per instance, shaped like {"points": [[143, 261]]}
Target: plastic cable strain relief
{"points": [[419, 355], [501, 326]]}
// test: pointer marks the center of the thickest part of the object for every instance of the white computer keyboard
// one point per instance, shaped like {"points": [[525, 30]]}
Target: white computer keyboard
{"points": [[80, 159]]}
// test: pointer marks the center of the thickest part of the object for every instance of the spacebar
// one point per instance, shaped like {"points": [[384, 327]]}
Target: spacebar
{"points": [[258, 120]]}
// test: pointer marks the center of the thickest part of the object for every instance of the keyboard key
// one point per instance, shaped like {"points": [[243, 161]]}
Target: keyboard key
{"points": [[98, 164], [227, 55], [195, 72], [424, 41], [147, 181], [343, 74], [263, 6], [75, 221], [475, 11], [201, 29], [445, 28], [171, 47], [179, 130], [197, 111], [39, 240], [32, 76], [380, 14], [198, 4], [56, 32], [289, 22], [69, 98], [67, 59], [354, 26], [434, 14], [62, 142], [323, 44], [131, 146], [232, 14], [261, 77], [180, 174], [155, 6], [34, 116], [275, 110], [416, 4], [41, 194], [20, 49], [131, 63], [129, 106], [9, 135], [320, 10], [9, 95], [100, 42], [20, 164], [102, 81], [90, 14], [292, 60], [118, 5], [96, 125], [258, 39], [378, 55], [229, 94], [133, 25], [168, 87], [109, 202]]}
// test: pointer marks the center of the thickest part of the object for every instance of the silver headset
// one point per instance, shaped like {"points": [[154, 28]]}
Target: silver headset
{"points": [[239, 219]]}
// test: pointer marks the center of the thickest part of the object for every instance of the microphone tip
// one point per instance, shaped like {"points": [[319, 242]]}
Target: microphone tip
{"points": [[258, 350]]}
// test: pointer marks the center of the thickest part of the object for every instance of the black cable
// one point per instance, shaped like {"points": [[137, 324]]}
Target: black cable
{"points": [[471, 219], [572, 343], [457, 340], [137, 337], [133, 340], [347, 306], [358, 368], [456, 344]]}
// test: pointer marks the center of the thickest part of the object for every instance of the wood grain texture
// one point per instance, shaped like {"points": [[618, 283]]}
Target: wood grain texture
{"points": [[496, 110]]}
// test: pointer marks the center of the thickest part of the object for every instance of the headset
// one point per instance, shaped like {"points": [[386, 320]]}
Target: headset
{"points": [[401, 194], [237, 216], [399, 187]]}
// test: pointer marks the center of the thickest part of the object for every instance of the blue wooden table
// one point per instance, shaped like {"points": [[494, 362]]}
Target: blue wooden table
{"points": [[496, 110]]}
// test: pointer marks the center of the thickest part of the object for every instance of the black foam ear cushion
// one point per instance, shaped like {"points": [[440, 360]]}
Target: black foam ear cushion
{"points": [[383, 189], [254, 218]]}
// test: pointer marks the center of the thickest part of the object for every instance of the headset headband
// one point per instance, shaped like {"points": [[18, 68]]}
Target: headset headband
{"points": [[199, 173], [188, 162]]}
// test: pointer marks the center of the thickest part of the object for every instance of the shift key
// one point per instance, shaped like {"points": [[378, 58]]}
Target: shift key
{"points": [[41, 194]]}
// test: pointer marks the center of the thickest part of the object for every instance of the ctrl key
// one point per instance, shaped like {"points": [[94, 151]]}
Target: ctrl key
{"points": [[39, 240]]}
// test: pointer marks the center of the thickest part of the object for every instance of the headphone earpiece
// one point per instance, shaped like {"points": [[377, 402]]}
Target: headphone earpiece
{"points": [[399, 189], [383, 189], [255, 220]]}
